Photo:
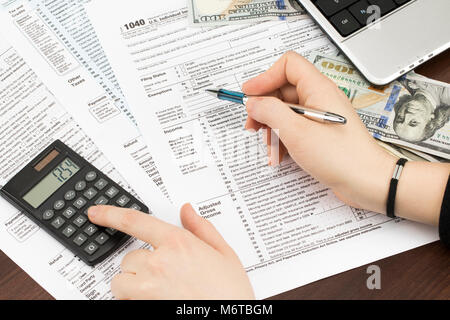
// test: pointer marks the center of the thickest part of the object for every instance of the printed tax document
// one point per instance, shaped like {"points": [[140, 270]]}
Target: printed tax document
{"points": [[58, 41], [286, 227], [36, 93]]}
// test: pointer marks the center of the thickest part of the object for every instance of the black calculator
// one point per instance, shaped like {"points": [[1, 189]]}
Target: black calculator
{"points": [[57, 188]]}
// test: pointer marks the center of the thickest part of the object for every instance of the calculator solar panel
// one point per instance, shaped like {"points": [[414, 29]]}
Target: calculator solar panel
{"points": [[349, 16], [56, 189]]}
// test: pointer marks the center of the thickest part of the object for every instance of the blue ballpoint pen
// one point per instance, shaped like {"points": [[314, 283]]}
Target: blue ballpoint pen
{"points": [[241, 98]]}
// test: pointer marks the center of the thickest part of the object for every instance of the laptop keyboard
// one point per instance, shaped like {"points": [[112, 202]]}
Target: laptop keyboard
{"points": [[348, 16]]}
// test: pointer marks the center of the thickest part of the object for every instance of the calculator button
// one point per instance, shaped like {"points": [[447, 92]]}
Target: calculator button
{"points": [[68, 231], [91, 248], [90, 193], [80, 185], [101, 201], [123, 200], [91, 176], [102, 238], [134, 206], [48, 214], [70, 195], [80, 239], [111, 231], [101, 183], [79, 221], [69, 212], [80, 203], [58, 222], [90, 229], [58, 205], [112, 192]]}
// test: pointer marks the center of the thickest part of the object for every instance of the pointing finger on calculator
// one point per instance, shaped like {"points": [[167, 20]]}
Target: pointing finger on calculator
{"points": [[135, 223]]}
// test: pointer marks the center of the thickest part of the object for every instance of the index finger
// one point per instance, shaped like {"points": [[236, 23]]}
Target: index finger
{"points": [[292, 69], [135, 223]]}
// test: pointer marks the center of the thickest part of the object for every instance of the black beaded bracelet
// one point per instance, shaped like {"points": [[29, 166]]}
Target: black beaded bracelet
{"points": [[390, 207]]}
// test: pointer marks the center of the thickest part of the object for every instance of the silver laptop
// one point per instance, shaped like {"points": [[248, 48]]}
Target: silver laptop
{"points": [[385, 38]]}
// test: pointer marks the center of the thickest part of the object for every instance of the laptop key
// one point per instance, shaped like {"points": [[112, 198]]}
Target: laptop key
{"points": [[330, 7], [360, 12], [386, 6], [345, 23]]}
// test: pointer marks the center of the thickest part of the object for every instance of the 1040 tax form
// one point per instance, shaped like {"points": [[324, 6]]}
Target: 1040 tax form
{"points": [[286, 227]]}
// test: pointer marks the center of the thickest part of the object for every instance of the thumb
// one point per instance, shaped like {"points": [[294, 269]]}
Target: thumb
{"points": [[203, 229]]}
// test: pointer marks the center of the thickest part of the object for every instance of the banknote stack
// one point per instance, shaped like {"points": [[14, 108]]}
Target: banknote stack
{"points": [[409, 117], [219, 12]]}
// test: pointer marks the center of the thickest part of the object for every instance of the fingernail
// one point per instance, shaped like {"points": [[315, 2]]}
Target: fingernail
{"points": [[188, 207]]}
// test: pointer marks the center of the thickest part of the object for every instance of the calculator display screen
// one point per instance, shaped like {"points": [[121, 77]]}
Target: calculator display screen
{"points": [[52, 182]]}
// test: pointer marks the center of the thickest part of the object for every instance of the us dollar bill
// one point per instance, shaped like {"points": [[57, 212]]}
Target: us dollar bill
{"points": [[412, 112], [415, 116], [360, 92], [409, 154], [220, 12]]}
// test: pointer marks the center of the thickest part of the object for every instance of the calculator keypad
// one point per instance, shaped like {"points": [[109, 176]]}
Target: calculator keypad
{"points": [[102, 238], [91, 248], [58, 222], [101, 184], [101, 201], [80, 203], [80, 221], [111, 231], [70, 195], [91, 176], [69, 212], [59, 205], [48, 214], [123, 201], [68, 215], [90, 229], [69, 231], [90, 193], [80, 185], [80, 239], [112, 192]]}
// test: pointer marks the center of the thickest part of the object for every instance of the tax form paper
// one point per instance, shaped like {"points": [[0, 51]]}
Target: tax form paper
{"points": [[50, 90], [286, 227]]}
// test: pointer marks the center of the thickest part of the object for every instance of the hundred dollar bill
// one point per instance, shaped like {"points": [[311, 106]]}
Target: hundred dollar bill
{"points": [[416, 116], [220, 12], [409, 154], [413, 112], [360, 92]]}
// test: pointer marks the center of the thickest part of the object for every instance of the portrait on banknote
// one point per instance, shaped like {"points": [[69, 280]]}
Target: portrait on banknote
{"points": [[421, 112]]}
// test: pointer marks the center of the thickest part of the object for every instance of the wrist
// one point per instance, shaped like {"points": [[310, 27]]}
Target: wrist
{"points": [[375, 188], [421, 190], [368, 187]]}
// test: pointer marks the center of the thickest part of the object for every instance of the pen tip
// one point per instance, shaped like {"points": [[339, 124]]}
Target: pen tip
{"points": [[212, 92]]}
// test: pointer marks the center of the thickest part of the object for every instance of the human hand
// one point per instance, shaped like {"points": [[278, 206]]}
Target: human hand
{"points": [[344, 157], [191, 263]]}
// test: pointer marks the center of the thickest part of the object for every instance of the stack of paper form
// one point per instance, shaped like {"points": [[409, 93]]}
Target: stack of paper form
{"points": [[57, 82]]}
